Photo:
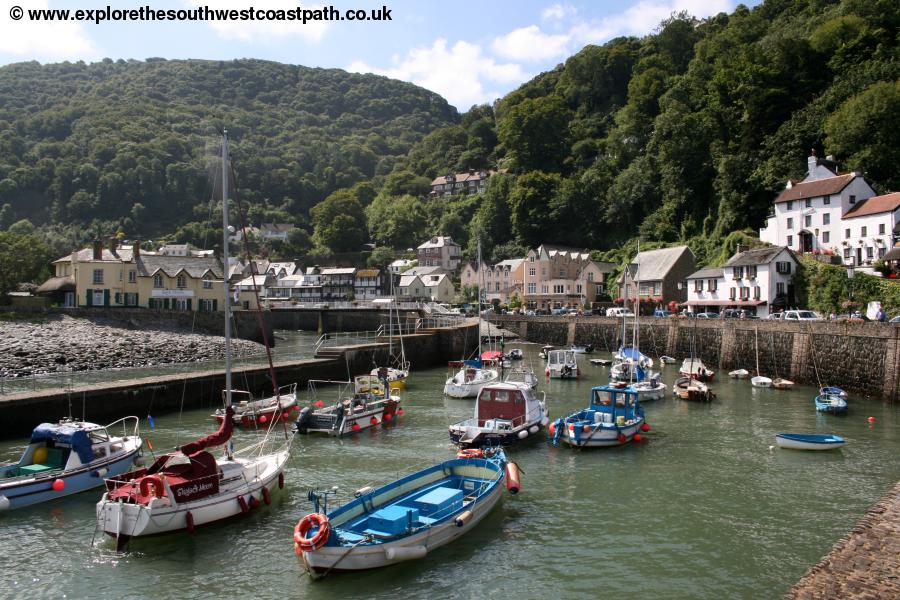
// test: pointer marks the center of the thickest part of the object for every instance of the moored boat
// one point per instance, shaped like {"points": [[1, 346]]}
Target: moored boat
{"points": [[809, 441], [782, 384], [692, 389], [695, 369], [761, 381], [250, 413], [833, 391], [405, 519], [469, 380], [516, 354], [562, 364], [667, 360], [586, 349], [739, 374], [613, 417], [504, 413], [649, 389], [545, 350], [522, 375], [829, 403], [69, 457], [600, 362], [369, 405]]}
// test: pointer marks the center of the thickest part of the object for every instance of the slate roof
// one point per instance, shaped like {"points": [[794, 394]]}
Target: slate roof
{"points": [[424, 270], [407, 280], [708, 273], [87, 254], [757, 256], [339, 271], [874, 205], [818, 187], [194, 266], [511, 263], [439, 242], [655, 264]]}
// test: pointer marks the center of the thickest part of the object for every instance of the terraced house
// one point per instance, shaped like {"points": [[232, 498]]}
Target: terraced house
{"points": [[559, 277], [123, 276]]}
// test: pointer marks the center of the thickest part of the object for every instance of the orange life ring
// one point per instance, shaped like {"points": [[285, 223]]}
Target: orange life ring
{"points": [[470, 453], [158, 489], [311, 544]]}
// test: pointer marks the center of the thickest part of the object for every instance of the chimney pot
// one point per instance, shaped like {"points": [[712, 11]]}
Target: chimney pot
{"points": [[136, 248], [98, 249]]}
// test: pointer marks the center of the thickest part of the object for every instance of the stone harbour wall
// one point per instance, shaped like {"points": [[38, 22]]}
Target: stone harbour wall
{"points": [[862, 357]]}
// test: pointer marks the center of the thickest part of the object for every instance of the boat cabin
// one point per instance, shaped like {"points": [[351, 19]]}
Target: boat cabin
{"points": [[502, 404], [613, 405], [60, 446], [561, 357]]}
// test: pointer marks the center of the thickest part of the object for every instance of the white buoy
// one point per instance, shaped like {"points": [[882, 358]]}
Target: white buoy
{"points": [[523, 434], [771, 448], [545, 421], [4, 502], [533, 429], [405, 553], [363, 490]]}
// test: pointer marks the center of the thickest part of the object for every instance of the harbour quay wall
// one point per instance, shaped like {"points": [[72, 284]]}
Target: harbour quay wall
{"points": [[20, 412], [862, 357], [328, 320]]}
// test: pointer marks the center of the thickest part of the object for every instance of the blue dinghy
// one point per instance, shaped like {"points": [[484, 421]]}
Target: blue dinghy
{"points": [[830, 403], [406, 519], [833, 391], [613, 417], [69, 457], [809, 441]]}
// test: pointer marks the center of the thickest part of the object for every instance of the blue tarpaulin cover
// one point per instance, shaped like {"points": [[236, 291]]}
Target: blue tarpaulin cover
{"points": [[65, 434]]}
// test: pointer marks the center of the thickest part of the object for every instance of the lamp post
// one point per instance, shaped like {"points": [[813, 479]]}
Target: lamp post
{"points": [[850, 263]]}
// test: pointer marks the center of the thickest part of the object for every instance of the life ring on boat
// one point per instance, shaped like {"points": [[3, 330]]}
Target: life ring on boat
{"points": [[470, 453], [311, 544], [158, 489]]}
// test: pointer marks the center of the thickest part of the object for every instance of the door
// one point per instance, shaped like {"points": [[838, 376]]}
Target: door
{"points": [[97, 298]]}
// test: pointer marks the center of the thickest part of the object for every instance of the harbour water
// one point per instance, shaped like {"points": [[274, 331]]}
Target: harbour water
{"points": [[703, 507]]}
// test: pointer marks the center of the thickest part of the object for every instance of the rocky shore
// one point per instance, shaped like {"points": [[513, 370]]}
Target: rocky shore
{"points": [[61, 343]]}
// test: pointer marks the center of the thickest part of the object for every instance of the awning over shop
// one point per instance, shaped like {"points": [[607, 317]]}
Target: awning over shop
{"points": [[723, 303]]}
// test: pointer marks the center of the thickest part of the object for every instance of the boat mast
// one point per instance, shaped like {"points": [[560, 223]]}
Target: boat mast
{"points": [[230, 447], [480, 273], [637, 310]]}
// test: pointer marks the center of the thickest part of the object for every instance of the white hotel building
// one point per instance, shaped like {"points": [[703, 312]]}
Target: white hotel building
{"points": [[834, 214]]}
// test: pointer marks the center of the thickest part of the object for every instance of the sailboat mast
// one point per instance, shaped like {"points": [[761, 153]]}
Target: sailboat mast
{"points": [[480, 273], [637, 310], [225, 264]]}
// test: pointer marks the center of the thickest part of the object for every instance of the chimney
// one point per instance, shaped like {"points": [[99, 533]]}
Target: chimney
{"points": [[471, 171], [741, 248], [812, 162], [136, 249], [98, 249]]}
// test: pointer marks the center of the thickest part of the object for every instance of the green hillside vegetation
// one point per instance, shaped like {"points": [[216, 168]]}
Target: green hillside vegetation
{"points": [[683, 136], [128, 144]]}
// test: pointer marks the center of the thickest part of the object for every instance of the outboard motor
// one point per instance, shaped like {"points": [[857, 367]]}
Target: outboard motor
{"points": [[303, 419]]}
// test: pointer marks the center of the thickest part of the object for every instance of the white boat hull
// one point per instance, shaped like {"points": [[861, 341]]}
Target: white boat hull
{"points": [[364, 557], [650, 392], [125, 521], [801, 445], [761, 382], [739, 374], [455, 388], [602, 436]]}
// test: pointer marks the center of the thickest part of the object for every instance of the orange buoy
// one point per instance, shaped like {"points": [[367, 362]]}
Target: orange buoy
{"points": [[552, 428], [622, 438], [355, 427], [585, 428], [373, 420], [645, 428], [512, 478], [637, 437], [58, 485], [871, 419], [316, 541]]}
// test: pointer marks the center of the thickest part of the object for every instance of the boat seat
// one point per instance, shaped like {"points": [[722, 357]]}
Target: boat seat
{"points": [[34, 469]]}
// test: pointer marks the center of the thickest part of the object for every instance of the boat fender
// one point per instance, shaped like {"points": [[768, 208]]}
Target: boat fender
{"points": [[281, 480], [266, 497], [373, 421], [243, 503], [254, 501], [463, 518], [645, 428], [311, 544], [4, 502], [533, 429], [363, 491], [545, 421], [512, 478], [154, 481], [622, 438], [138, 461], [101, 472], [470, 453], [405, 553], [189, 522], [523, 434]]}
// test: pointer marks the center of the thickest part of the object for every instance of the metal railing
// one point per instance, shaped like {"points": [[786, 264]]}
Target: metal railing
{"points": [[347, 338]]}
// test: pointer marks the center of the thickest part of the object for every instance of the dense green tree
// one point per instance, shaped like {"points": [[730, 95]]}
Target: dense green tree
{"points": [[381, 256], [23, 258], [339, 223], [535, 134]]}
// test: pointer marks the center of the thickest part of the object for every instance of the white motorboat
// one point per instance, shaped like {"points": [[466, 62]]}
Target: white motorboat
{"points": [[523, 375], [366, 407], [739, 374], [562, 364], [761, 382], [504, 413], [469, 380]]}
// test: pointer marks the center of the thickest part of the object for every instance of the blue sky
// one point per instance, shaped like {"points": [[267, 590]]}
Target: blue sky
{"points": [[469, 52]]}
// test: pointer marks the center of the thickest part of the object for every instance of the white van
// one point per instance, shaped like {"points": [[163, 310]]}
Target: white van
{"points": [[618, 312]]}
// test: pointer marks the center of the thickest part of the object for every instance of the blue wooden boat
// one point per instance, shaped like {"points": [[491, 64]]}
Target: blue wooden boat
{"points": [[69, 457], [405, 519], [613, 417], [831, 403], [833, 391], [809, 441]]}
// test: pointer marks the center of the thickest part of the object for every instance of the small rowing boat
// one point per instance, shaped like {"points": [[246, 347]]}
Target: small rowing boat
{"points": [[809, 441]]}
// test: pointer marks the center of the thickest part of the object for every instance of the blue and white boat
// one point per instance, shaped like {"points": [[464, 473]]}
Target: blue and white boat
{"points": [[830, 403], [613, 417], [405, 519], [809, 441], [833, 391], [69, 457]]}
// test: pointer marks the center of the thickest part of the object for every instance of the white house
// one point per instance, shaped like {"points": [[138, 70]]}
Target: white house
{"points": [[411, 287], [439, 287], [757, 280], [276, 231], [831, 213], [282, 269], [399, 265]]}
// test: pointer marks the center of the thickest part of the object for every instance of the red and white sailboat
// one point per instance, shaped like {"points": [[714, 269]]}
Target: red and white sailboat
{"points": [[191, 487]]}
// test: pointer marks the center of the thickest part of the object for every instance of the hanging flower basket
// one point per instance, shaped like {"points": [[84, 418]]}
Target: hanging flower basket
{"points": [[619, 300], [849, 304]]}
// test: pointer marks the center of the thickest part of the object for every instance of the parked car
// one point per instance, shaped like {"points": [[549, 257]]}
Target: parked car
{"points": [[895, 319], [618, 312], [801, 315], [661, 312], [707, 315], [775, 316], [588, 313], [530, 313]]}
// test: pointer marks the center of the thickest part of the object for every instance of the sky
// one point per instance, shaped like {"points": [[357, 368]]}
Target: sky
{"points": [[470, 52]]}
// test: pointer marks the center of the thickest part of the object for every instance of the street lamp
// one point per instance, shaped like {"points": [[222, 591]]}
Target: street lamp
{"points": [[850, 263]]}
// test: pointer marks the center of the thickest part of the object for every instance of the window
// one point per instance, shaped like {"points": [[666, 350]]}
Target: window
{"points": [[646, 289], [756, 293], [562, 273], [779, 288], [497, 288], [870, 252], [543, 272], [132, 276], [783, 267], [599, 289], [848, 252], [807, 221], [790, 240], [559, 289], [117, 298], [808, 202], [207, 284], [590, 276], [862, 232], [826, 237], [578, 289], [544, 289], [738, 272], [733, 293], [881, 229], [157, 281], [790, 205], [181, 281], [852, 199], [751, 272], [745, 293], [712, 284], [826, 200], [531, 259], [826, 219], [790, 223], [698, 285], [98, 275], [532, 272], [847, 234]]}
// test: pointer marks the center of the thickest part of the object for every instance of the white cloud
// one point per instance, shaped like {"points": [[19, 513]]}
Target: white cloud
{"points": [[262, 31], [643, 17], [529, 43], [558, 12], [43, 40], [457, 73]]}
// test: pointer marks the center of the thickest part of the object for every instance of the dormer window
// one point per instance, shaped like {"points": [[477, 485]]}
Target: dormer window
{"points": [[790, 205], [852, 199], [808, 202]]}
